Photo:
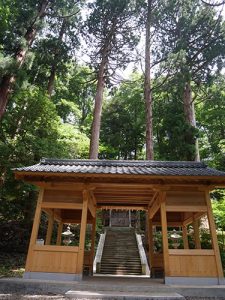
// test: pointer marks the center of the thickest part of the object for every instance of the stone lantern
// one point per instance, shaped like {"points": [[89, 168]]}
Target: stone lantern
{"points": [[67, 235]]}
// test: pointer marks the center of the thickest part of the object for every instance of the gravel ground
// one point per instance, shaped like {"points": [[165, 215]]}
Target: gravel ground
{"points": [[59, 297]]}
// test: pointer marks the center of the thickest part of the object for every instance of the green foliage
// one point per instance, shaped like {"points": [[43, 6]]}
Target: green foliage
{"points": [[219, 211], [174, 138], [111, 34], [211, 118], [123, 125]]}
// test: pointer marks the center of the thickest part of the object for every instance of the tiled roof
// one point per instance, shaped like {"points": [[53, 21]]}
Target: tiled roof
{"points": [[132, 167]]}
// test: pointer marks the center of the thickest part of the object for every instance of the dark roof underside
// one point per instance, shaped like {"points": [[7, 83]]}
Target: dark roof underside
{"points": [[154, 168]]}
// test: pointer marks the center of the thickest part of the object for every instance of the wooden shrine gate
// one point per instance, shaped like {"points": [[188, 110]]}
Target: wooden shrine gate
{"points": [[173, 194]]}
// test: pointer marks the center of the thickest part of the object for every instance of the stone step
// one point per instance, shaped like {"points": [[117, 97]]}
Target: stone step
{"points": [[121, 257], [120, 253], [106, 265], [121, 273], [74, 294], [118, 267]]}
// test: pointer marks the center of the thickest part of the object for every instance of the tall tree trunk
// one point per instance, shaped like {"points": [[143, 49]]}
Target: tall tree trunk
{"points": [[20, 55], [96, 123], [147, 87], [51, 80], [189, 111]]}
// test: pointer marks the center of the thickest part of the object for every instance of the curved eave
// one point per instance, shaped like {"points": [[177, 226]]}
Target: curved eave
{"points": [[218, 181]]}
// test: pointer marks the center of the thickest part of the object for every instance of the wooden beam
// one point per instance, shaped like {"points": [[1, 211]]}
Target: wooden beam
{"points": [[213, 235], [169, 224], [122, 207], [57, 215], [91, 206], [93, 197], [53, 248], [190, 219], [196, 233], [49, 229], [50, 211], [62, 205], [129, 186], [59, 234], [77, 186], [35, 229], [82, 233], [192, 252], [186, 208], [75, 221], [154, 208], [156, 194], [185, 237], [164, 233]]}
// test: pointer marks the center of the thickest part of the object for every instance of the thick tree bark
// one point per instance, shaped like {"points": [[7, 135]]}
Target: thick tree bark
{"points": [[96, 123], [147, 88], [20, 55], [51, 80], [189, 111]]}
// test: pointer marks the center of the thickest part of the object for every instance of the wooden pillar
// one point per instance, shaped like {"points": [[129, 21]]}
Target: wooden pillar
{"points": [[164, 232], [93, 230], [185, 237], [213, 235], [49, 230], [196, 234], [82, 233], [59, 234], [35, 229]]}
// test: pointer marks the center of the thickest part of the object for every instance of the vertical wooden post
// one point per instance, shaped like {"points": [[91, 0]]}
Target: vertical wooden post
{"points": [[59, 234], [93, 242], [82, 233], [213, 235], [185, 237], [35, 229], [49, 230], [196, 234], [164, 232]]}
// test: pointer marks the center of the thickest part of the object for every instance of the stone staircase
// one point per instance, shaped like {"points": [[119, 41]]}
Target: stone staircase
{"points": [[120, 253]]}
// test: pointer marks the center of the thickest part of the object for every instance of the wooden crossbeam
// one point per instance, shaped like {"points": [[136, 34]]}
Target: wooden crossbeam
{"points": [[196, 216], [155, 206], [186, 208], [91, 205], [122, 207], [156, 194], [62, 205]]}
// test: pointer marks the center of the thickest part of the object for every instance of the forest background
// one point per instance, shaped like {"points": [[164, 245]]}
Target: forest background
{"points": [[65, 90]]}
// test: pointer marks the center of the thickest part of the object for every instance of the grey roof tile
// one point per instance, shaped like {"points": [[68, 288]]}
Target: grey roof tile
{"points": [[162, 168]]}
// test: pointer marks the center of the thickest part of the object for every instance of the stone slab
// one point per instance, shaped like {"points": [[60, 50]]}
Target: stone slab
{"points": [[203, 281], [123, 295], [107, 285], [52, 276]]}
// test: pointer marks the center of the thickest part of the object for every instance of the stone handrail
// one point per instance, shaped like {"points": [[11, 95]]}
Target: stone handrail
{"points": [[144, 261], [98, 256]]}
